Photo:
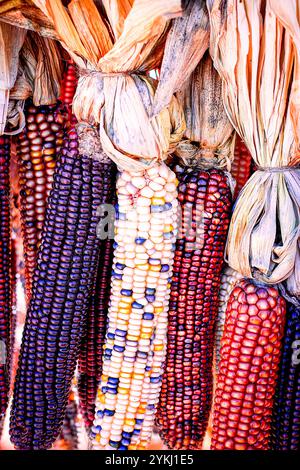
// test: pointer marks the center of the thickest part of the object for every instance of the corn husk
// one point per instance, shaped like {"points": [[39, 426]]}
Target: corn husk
{"points": [[254, 51], [23, 14], [15, 121], [41, 62], [209, 136], [113, 89], [187, 41], [11, 41]]}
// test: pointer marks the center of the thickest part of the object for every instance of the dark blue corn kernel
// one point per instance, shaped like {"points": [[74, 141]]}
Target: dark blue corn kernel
{"points": [[136, 305], [140, 241]]}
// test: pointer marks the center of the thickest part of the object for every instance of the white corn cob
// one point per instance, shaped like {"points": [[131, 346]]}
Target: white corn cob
{"points": [[145, 233]]}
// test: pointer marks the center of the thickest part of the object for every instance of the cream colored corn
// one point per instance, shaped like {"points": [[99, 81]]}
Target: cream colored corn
{"points": [[228, 281], [145, 233]]}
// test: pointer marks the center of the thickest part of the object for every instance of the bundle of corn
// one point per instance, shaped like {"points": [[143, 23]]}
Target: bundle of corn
{"points": [[248, 369], [205, 199], [286, 418], [5, 273], [241, 168], [228, 280], [114, 91], [90, 359], [63, 279], [261, 98], [38, 147]]}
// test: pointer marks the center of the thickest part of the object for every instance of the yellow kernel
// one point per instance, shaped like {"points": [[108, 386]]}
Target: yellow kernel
{"points": [[124, 310], [132, 337], [157, 201], [129, 422], [158, 347], [145, 335], [155, 268], [158, 309], [168, 228]]}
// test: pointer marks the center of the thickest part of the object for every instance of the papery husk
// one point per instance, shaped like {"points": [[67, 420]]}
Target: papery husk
{"points": [[256, 57], [209, 136], [187, 41], [41, 61], [24, 14], [113, 89], [11, 41], [15, 121]]}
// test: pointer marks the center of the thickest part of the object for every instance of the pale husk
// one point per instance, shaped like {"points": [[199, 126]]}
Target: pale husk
{"points": [[255, 55], [113, 89], [15, 121], [41, 62], [11, 41], [187, 41], [209, 136]]}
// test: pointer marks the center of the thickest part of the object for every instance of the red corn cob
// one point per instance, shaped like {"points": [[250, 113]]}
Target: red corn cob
{"points": [[5, 274], [69, 84], [186, 393], [90, 359], [241, 167], [38, 147], [248, 369]]}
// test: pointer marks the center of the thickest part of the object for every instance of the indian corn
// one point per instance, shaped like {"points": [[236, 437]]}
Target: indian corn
{"points": [[55, 321], [186, 394], [286, 419], [134, 351], [241, 167], [248, 369], [38, 147], [5, 273]]}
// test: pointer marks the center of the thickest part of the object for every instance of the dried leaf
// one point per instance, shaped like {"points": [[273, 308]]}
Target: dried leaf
{"points": [[256, 58], [117, 11], [187, 41], [208, 138], [11, 41]]}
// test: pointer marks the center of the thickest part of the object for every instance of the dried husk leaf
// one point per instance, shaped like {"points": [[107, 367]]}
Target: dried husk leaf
{"points": [[117, 11], [24, 14], [11, 41], [256, 58], [187, 41], [15, 121], [209, 135], [113, 90], [41, 61]]}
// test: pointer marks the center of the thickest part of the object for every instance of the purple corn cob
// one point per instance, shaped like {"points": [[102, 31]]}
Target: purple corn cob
{"points": [[5, 277], [62, 283], [286, 419]]}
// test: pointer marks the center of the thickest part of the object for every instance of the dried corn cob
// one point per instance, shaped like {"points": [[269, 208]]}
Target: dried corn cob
{"points": [[286, 420], [248, 369], [38, 147], [228, 280], [5, 275], [55, 322], [186, 394], [69, 84], [68, 439], [90, 359], [137, 319], [241, 167]]}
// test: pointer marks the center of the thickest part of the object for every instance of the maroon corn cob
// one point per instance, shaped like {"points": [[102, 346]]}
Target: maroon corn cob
{"points": [[90, 359], [38, 147], [56, 318], [186, 395], [5, 274], [68, 86], [248, 370], [241, 167], [286, 416]]}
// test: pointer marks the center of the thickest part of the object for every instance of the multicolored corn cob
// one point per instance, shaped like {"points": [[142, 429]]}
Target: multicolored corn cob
{"points": [[90, 359], [229, 278], [248, 369], [56, 318], [38, 147], [5, 273], [68, 88], [186, 394], [134, 351], [286, 419], [241, 167]]}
